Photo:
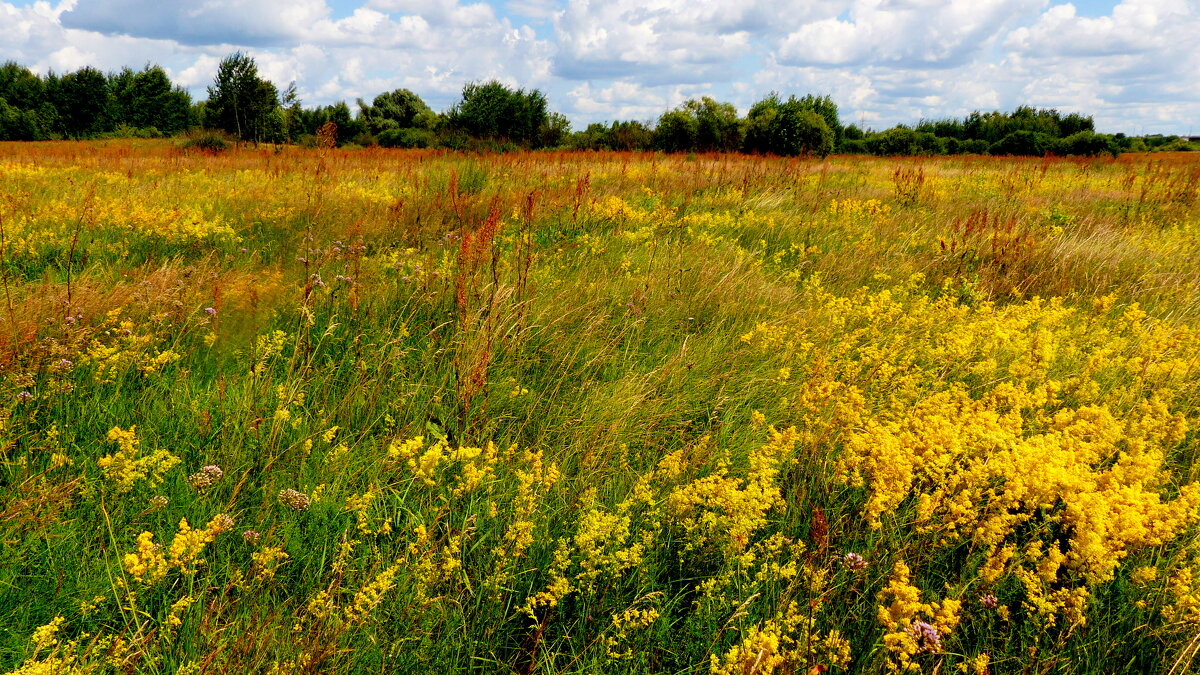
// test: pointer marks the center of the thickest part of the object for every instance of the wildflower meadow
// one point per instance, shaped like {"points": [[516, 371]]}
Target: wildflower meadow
{"points": [[289, 410]]}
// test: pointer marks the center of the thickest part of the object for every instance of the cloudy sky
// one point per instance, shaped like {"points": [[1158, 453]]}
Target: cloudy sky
{"points": [[1133, 64]]}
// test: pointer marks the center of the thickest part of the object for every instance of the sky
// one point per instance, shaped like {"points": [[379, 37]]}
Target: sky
{"points": [[1132, 64]]}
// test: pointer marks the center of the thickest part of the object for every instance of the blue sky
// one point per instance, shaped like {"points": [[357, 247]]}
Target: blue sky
{"points": [[1132, 64]]}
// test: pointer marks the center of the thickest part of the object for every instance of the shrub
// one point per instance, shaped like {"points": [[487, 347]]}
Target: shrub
{"points": [[399, 109], [1029, 143], [853, 146], [895, 141], [925, 143], [1088, 144], [206, 140], [676, 132], [973, 146], [788, 128], [493, 111], [407, 138]]}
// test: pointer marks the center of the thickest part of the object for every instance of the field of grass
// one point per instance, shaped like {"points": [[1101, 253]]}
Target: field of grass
{"points": [[368, 411]]}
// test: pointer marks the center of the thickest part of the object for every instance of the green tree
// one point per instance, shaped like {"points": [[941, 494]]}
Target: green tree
{"points": [[1088, 144], [242, 103], [81, 99], [899, 140], [399, 109], [493, 111], [347, 127], [156, 103], [20, 87], [25, 112], [1023, 142], [19, 125], [787, 128], [717, 126], [827, 109], [293, 113], [676, 131], [554, 130], [147, 100], [704, 125]]}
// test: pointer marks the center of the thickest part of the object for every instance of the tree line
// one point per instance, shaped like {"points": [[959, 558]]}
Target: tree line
{"points": [[245, 106]]}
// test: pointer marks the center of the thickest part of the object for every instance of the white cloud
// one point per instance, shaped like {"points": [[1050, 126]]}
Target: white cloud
{"points": [[200, 22], [669, 40], [1135, 26], [910, 33], [883, 61], [626, 100]]}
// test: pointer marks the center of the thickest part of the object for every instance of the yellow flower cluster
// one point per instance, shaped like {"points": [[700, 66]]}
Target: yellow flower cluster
{"points": [[785, 643], [148, 564], [125, 468], [120, 348], [900, 608], [727, 509]]}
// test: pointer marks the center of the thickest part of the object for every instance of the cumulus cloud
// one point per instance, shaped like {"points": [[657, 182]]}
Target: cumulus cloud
{"points": [[198, 22], [626, 100], [669, 40], [884, 61], [905, 33], [1135, 26]]}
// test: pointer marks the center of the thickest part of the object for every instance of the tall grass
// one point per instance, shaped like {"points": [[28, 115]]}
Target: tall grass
{"points": [[417, 411]]}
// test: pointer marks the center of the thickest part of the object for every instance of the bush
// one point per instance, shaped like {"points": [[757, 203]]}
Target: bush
{"points": [[788, 128], [806, 133], [1028, 143], [676, 132], [895, 141], [853, 146], [407, 138], [207, 140], [126, 131], [926, 143], [1088, 144], [1177, 145], [973, 146], [493, 111]]}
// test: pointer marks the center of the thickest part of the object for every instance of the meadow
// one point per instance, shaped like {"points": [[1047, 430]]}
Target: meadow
{"points": [[376, 411]]}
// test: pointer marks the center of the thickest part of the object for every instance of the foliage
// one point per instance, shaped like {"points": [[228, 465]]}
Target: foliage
{"points": [[1088, 144], [147, 99], [243, 104], [619, 135], [699, 125], [407, 138], [1022, 143], [399, 109], [207, 140], [788, 128], [896, 141], [81, 100], [491, 110]]}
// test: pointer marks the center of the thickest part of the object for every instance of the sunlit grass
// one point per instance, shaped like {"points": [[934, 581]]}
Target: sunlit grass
{"points": [[382, 411]]}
